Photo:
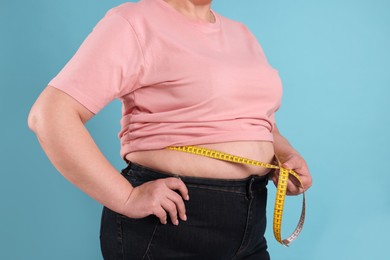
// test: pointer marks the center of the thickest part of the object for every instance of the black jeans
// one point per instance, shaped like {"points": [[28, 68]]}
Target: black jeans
{"points": [[226, 220]]}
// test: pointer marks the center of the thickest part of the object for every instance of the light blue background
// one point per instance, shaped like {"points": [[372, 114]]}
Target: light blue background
{"points": [[334, 60]]}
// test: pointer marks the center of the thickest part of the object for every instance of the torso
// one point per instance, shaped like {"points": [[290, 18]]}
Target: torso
{"points": [[185, 164], [214, 84]]}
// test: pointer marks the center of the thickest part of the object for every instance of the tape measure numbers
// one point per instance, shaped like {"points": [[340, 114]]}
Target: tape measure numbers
{"points": [[280, 190]]}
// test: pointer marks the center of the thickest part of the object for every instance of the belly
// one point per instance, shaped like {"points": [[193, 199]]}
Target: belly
{"points": [[185, 164]]}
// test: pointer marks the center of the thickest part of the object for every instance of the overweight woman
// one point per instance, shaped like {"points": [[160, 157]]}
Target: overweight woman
{"points": [[185, 76]]}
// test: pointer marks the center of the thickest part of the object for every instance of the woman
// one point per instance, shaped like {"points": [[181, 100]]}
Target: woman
{"points": [[185, 76]]}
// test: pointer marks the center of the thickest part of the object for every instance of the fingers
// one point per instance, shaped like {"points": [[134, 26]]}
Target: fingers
{"points": [[162, 198], [166, 208], [171, 209], [305, 180], [294, 187], [169, 201], [178, 184], [161, 214], [298, 164], [180, 209], [275, 177], [174, 205]]}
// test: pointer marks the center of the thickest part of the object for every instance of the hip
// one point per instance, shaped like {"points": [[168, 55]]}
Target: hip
{"points": [[226, 220]]}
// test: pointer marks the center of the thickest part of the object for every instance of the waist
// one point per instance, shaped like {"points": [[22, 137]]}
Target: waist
{"points": [[183, 164], [139, 174]]}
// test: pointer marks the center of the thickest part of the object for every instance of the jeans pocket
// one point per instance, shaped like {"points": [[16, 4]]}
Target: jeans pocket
{"points": [[144, 219], [136, 235]]}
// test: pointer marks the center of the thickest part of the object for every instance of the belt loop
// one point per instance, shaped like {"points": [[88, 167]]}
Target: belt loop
{"points": [[126, 170], [249, 193]]}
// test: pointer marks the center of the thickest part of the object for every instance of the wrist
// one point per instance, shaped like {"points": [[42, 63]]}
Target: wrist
{"points": [[285, 154], [123, 207]]}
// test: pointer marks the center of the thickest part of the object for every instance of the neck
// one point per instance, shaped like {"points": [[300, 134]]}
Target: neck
{"points": [[195, 9]]}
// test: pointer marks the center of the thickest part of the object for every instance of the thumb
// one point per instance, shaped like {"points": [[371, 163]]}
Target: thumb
{"points": [[291, 163]]}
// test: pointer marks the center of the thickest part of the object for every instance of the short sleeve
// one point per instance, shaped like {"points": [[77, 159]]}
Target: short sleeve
{"points": [[106, 66]]}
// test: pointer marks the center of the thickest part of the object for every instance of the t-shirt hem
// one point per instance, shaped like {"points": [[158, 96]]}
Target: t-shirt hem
{"points": [[132, 146]]}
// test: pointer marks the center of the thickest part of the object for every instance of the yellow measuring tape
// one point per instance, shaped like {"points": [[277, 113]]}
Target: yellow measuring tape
{"points": [[280, 190]]}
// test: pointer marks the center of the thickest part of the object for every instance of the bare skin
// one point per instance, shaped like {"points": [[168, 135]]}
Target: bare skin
{"points": [[58, 121], [194, 9]]}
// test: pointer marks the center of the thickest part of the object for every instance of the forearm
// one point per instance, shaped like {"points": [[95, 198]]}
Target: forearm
{"points": [[71, 149], [283, 149]]}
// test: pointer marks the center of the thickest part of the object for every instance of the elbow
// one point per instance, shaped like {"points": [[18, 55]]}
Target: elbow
{"points": [[37, 120], [32, 121], [52, 110], [41, 112]]}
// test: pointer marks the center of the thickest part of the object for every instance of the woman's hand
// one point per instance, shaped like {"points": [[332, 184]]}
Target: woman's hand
{"points": [[298, 164], [290, 159], [158, 198]]}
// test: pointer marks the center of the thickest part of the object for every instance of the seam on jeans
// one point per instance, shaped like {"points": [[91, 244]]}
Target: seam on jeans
{"points": [[120, 236], [241, 247], [215, 189], [150, 242]]}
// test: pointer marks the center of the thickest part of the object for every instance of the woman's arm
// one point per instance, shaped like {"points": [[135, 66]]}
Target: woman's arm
{"points": [[291, 159], [58, 121]]}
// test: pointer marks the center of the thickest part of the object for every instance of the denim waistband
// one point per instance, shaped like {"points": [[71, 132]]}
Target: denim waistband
{"points": [[251, 183]]}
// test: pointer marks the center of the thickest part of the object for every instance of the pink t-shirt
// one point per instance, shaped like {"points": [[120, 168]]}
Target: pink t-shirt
{"points": [[181, 81]]}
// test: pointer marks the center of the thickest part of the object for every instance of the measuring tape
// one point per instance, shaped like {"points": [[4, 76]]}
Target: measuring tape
{"points": [[280, 190]]}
